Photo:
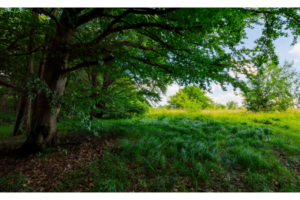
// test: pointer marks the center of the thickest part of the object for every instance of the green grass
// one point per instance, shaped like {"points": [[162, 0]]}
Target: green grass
{"points": [[284, 124], [176, 153], [5, 132], [206, 151]]}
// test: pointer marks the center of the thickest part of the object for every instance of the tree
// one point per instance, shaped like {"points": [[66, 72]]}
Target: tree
{"points": [[220, 106], [190, 97], [185, 44], [232, 105], [273, 88]]}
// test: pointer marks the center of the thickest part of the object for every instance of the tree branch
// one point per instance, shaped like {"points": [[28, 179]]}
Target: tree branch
{"points": [[42, 11], [29, 52], [7, 85], [149, 62], [85, 64], [96, 12], [150, 11]]}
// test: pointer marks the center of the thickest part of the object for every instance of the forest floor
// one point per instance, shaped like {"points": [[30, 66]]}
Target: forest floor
{"points": [[164, 151]]}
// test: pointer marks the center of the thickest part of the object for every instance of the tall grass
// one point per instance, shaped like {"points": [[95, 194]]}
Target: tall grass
{"points": [[285, 124], [178, 151]]}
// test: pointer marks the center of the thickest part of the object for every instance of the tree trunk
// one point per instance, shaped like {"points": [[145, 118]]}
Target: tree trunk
{"points": [[19, 118], [36, 101], [107, 81], [2, 102], [44, 132], [47, 39], [23, 115], [94, 94], [101, 105]]}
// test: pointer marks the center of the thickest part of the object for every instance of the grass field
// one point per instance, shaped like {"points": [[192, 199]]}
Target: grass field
{"points": [[178, 151]]}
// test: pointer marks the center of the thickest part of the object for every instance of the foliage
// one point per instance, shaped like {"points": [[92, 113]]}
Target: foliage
{"points": [[273, 88], [219, 106], [191, 98], [232, 105]]}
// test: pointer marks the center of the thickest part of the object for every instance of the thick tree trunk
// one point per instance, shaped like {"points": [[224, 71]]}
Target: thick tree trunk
{"points": [[44, 132], [47, 39], [36, 101]]}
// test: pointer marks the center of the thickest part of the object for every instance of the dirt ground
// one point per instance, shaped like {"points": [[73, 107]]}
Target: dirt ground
{"points": [[43, 173]]}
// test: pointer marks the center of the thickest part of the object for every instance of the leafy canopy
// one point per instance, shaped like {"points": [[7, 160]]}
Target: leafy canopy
{"points": [[190, 97], [273, 88], [154, 45], [232, 105]]}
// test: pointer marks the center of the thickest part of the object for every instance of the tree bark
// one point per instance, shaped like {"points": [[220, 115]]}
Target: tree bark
{"points": [[36, 101], [44, 131], [48, 38]]}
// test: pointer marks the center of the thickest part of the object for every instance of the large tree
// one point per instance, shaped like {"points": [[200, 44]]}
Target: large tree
{"points": [[186, 44]]}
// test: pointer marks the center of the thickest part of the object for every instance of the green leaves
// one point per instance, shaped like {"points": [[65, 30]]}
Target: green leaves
{"points": [[191, 98], [273, 88]]}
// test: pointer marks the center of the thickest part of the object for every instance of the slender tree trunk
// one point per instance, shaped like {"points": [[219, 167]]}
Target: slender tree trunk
{"points": [[19, 118], [23, 115], [94, 94], [44, 132], [107, 81], [2, 102]]}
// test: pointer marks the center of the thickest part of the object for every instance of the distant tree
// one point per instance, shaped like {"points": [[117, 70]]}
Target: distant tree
{"points": [[220, 106], [190, 97], [232, 105], [273, 88]]}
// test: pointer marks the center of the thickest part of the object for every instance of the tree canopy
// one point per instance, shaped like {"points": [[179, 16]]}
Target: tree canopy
{"points": [[190, 97], [273, 87]]}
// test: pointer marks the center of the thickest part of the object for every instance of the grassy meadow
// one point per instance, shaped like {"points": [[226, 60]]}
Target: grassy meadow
{"points": [[205, 151]]}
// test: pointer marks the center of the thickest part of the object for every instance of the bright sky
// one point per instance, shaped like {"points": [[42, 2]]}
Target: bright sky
{"points": [[283, 49]]}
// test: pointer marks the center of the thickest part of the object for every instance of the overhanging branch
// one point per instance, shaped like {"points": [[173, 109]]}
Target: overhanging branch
{"points": [[85, 64], [149, 62], [7, 85]]}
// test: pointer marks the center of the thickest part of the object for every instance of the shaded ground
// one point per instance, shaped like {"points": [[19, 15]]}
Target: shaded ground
{"points": [[42, 172]]}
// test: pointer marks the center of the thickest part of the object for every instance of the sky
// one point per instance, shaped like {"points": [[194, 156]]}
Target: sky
{"points": [[283, 49]]}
